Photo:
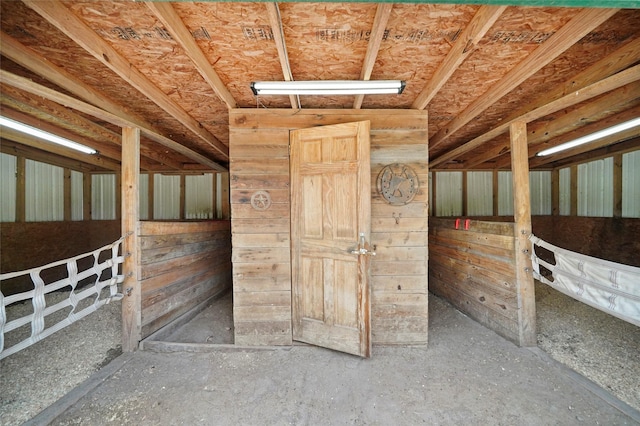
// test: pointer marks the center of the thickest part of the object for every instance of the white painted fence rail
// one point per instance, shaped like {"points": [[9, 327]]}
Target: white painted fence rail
{"points": [[611, 287], [101, 275]]}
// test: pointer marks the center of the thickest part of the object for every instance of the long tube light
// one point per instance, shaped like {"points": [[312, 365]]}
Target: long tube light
{"points": [[328, 87], [16, 125], [592, 137]]}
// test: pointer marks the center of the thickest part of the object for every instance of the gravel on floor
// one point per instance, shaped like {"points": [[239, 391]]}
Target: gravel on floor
{"points": [[600, 347]]}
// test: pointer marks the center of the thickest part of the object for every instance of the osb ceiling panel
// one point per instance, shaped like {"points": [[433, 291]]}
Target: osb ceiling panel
{"points": [[323, 41]]}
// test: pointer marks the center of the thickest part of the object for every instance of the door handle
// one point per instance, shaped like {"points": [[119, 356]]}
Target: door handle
{"points": [[363, 248]]}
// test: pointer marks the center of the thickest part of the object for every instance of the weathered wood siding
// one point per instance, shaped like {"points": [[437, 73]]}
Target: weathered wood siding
{"points": [[475, 270], [259, 160], [181, 265]]}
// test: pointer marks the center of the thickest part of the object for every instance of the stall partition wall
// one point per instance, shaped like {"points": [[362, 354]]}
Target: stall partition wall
{"points": [[259, 169]]}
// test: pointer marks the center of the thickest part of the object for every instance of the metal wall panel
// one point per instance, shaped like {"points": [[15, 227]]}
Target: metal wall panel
{"points": [[449, 193], [143, 196], [595, 188], [540, 189], [103, 197], [564, 193], [480, 193], [199, 196], [631, 184], [44, 200], [8, 170], [166, 197], [505, 194]]}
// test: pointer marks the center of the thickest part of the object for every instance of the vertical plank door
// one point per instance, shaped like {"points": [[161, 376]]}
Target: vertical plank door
{"points": [[330, 216]]}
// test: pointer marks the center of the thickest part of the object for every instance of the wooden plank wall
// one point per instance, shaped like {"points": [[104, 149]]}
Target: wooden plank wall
{"points": [[259, 160], [474, 269], [181, 265]]}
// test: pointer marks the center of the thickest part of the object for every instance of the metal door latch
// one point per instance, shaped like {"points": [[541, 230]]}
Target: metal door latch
{"points": [[363, 247]]}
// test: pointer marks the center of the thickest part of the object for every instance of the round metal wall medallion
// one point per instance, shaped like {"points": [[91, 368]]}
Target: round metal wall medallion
{"points": [[261, 200], [398, 184]]}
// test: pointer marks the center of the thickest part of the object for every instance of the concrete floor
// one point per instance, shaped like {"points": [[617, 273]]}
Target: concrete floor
{"points": [[467, 375]]}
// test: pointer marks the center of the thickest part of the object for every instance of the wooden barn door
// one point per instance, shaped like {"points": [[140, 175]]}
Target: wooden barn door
{"points": [[330, 230]]}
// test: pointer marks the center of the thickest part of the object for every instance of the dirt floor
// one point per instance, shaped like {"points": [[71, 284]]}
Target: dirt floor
{"points": [[467, 375]]}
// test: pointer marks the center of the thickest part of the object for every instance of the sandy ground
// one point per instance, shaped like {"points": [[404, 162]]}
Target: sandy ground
{"points": [[465, 369]]}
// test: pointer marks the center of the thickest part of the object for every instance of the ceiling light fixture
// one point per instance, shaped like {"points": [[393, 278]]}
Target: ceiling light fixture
{"points": [[50, 137], [592, 137], [328, 87]]}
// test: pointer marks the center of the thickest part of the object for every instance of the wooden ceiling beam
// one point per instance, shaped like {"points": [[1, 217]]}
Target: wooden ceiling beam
{"points": [[36, 63], [19, 150], [606, 85], [541, 133], [464, 46], [179, 31], [39, 90], [34, 142], [62, 18], [275, 20], [582, 24], [383, 11]]}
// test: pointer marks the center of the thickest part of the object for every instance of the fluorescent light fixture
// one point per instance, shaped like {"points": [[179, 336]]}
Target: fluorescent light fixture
{"points": [[328, 87], [50, 137], [592, 137]]}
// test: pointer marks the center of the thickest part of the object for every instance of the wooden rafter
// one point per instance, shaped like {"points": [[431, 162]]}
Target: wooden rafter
{"points": [[611, 83], [172, 22], [39, 90], [588, 118], [482, 21], [62, 18], [275, 20], [36, 63], [380, 21], [582, 24]]}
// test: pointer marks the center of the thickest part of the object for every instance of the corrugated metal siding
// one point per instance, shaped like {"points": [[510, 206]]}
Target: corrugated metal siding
{"points": [[631, 184], [449, 193], [430, 189], [564, 194], [595, 188], [77, 197], [540, 189], [44, 185], [103, 197], [8, 169], [166, 197], [199, 196], [505, 194], [479, 193]]}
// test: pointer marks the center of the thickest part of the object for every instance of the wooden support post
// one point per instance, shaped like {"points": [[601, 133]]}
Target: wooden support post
{"points": [[617, 185], [214, 195], [224, 196], [495, 194], [21, 189], [86, 196], [555, 192], [573, 195], [66, 195], [131, 304], [183, 196], [434, 193], [522, 229]]}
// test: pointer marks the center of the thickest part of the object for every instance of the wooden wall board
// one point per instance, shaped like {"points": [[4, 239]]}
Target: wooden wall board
{"points": [[182, 264], [475, 270], [261, 242]]}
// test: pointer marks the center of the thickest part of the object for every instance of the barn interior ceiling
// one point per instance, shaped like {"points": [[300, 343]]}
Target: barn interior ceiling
{"points": [[84, 69]]}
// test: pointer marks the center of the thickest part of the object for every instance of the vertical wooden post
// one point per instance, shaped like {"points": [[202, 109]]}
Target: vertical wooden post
{"points": [[86, 196], [465, 197], [617, 185], [224, 196], [434, 194], [214, 187], [21, 189], [495, 194], [66, 195], [131, 304], [183, 196], [522, 229], [555, 192], [573, 210]]}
